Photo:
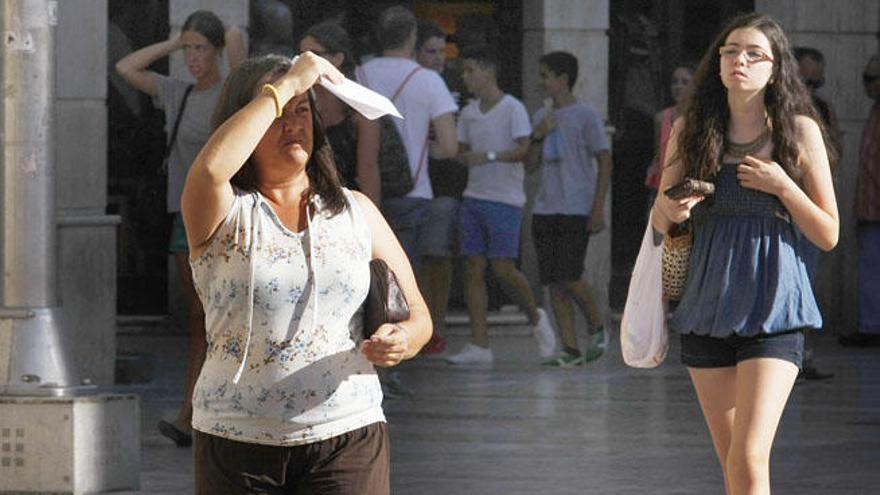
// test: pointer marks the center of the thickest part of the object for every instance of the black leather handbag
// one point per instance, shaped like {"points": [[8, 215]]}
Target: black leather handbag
{"points": [[385, 301]]}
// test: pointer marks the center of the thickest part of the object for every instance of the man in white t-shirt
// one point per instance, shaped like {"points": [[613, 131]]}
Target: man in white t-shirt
{"points": [[424, 100], [493, 135]]}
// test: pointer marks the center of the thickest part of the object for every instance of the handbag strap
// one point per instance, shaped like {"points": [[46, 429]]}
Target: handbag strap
{"points": [[173, 137]]}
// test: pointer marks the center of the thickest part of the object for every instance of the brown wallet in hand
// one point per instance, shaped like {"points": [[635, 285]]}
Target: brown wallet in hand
{"points": [[385, 302], [690, 187]]}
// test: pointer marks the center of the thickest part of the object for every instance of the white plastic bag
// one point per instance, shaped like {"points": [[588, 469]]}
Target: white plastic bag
{"points": [[644, 338]]}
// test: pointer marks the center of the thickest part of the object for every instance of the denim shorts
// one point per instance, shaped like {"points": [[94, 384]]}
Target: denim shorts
{"points": [[489, 228], [408, 217], [177, 242], [440, 232], [702, 351]]}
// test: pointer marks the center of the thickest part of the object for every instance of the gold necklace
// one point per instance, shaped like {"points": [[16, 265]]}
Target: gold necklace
{"points": [[739, 150]]}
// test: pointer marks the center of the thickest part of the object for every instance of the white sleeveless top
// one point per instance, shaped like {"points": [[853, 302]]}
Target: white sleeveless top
{"points": [[283, 365]]}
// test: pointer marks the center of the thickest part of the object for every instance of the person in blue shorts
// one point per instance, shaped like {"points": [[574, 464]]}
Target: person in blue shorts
{"points": [[493, 135]]}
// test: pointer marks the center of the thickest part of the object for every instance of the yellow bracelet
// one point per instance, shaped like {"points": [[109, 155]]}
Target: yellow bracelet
{"points": [[276, 97]]}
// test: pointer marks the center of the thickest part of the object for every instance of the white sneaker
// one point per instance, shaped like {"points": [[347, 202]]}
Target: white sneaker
{"points": [[471, 354], [544, 335]]}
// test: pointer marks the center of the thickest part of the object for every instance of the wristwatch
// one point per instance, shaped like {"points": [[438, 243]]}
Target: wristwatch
{"points": [[491, 156]]}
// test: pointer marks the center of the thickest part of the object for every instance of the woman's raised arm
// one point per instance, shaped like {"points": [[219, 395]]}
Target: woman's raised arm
{"points": [[133, 67], [207, 194]]}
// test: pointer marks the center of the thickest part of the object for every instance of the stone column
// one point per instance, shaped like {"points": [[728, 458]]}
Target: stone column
{"points": [[87, 236], [232, 13], [578, 27], [846, 32]]}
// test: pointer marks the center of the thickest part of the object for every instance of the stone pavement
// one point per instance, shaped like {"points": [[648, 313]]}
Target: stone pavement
{"points": [[518, 428]]}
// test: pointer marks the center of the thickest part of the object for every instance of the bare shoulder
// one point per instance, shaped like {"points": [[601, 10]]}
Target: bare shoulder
{"points": [[807, 127], [678, 124], [365, 203], [809, 135]]}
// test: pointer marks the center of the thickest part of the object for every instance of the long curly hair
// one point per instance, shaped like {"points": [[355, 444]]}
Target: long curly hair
{"points": [[706, 113], [239, 90]]}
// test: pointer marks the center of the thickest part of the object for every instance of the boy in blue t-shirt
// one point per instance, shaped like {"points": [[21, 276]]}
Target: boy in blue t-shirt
{"points": [[570, 202]]}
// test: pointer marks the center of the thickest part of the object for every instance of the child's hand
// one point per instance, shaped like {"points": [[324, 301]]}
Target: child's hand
{"points": [[546, 126]]}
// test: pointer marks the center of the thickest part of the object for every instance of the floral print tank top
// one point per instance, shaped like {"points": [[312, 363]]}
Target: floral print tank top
{"points": [[283, 318]]}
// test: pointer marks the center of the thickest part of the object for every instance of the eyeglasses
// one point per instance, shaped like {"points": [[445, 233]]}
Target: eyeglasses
{"points": [[753, 55], [869, 78]]}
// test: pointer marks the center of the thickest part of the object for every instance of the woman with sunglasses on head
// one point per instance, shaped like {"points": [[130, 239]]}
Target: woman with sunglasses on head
{"points": [[288, 400], [188, 108], [748, 126]]}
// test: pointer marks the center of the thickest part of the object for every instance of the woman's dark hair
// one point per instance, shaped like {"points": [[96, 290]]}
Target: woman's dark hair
{"points": [[706, 113], [208, 25], [239, 90], [562, 63], [335, 39]]}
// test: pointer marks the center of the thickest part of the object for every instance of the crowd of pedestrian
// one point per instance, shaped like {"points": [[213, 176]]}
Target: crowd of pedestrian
{"points": [[280, 194]]}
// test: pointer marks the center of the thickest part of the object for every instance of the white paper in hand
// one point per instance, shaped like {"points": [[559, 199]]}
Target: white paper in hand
{"points": [[367, 102]]}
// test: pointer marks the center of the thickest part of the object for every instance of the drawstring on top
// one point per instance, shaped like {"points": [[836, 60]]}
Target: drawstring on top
{"points": [[255, 217], [255, 228], [312, 235]]}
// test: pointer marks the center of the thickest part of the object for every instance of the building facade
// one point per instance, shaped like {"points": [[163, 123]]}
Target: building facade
{"points": [[621, 77]]}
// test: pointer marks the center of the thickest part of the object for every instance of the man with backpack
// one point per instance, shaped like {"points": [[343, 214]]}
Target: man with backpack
{"points": [[424, 101]]}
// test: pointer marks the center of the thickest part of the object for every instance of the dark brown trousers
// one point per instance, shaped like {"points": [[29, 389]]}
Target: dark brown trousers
{"points": [[354, 463]]}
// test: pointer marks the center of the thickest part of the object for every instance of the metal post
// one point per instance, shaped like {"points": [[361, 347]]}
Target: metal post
{"points": [[33, 354]]}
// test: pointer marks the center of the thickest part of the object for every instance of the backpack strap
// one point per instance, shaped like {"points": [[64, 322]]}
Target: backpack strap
{"points": [[424, 152], [405, 82], [362, 76], [422, 162]]}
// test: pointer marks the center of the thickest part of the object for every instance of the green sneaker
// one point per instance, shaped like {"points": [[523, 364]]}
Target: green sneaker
{"points": [[596, 345], [565, 359]]}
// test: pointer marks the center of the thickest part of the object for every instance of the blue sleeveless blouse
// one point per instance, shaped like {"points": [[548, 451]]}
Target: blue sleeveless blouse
{"points": [[747, 274]]}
